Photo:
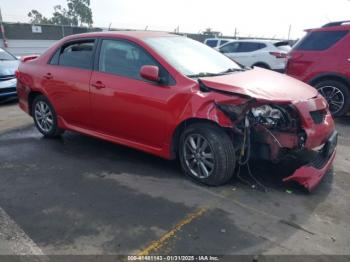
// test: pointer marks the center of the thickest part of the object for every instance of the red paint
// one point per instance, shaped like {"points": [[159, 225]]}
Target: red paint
{"points": [[309, 65], [309, 176], [144, 114], [150, 73]]}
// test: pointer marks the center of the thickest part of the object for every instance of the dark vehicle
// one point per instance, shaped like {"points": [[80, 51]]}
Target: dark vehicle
{"points": [[8, 66]]}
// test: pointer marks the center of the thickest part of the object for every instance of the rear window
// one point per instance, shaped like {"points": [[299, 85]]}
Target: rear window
{"points": [[283, 45], [211, 43], [77, 55], [320, 40]]}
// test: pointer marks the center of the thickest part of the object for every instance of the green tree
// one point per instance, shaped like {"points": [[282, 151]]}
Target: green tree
{"points": [[78, 12], [60, 16], [37, 18]]}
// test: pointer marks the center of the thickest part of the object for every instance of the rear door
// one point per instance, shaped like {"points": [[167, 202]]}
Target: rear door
{"points": [[67, 81], [124, 105]]}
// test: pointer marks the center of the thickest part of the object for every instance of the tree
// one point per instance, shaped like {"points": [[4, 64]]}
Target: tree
{"points": [[60, 16], [78, 13], [37, 18]]}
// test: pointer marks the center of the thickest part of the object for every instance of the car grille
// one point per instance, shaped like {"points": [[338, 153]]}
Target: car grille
{"points": [[318, 116], [6, 78]]}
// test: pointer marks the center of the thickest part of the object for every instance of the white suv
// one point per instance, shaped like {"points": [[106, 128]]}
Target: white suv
{"points": [[262, 53]]}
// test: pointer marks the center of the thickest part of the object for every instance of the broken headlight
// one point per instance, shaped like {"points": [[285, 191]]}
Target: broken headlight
{"points": [[267, 115]]}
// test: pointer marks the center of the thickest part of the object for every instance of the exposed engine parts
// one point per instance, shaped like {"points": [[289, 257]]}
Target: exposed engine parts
{"points": [[278, 117]]}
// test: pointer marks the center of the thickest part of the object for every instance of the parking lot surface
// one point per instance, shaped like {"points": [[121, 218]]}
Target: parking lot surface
{"points": [[80, 195]]}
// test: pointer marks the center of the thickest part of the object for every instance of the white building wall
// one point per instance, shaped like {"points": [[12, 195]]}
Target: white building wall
{"points": [[27, 47]]}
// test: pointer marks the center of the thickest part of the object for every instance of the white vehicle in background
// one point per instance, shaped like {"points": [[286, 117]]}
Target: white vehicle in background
{"points": [[216, 42], [267, 54]]}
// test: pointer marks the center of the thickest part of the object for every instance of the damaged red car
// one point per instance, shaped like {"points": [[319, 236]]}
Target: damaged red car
{"points": [[176, 98]]}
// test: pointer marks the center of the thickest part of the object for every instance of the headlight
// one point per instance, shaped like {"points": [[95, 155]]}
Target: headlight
{"points": [[266, 111], [267, 115]]}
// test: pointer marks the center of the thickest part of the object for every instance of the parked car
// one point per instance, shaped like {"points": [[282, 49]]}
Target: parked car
{"points": [[261, 53], [322, 59], [175, 97], [8, 65], [216, 42]]}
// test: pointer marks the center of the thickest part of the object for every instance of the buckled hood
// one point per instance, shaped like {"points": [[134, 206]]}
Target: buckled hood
{"points": [[262, 84]]}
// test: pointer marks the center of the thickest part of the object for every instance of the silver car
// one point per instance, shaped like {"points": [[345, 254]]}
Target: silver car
{"points": [[8, 66]]}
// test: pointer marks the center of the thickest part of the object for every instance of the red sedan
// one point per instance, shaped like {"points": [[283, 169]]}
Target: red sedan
{"points": [[176, 98]]}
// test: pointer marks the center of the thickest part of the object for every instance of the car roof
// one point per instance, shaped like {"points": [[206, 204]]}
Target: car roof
{"points": [[124, 34], [217, 38], [332, 26]]}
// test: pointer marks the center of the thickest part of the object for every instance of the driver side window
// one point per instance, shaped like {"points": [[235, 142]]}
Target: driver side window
{"points": [[123, 58]]}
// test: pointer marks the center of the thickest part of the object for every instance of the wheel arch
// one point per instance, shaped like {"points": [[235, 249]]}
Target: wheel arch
{"points": [[181, 127], [330, 76], [31, 97], [263, 64]]}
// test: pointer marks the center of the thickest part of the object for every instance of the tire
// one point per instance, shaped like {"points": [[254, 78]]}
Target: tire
{"points": [[261, 65], [45, 117], [219, 145], [342, 93]]}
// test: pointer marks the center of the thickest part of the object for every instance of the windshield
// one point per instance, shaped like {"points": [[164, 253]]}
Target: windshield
{"points": [[5, 56], [191, 57]]}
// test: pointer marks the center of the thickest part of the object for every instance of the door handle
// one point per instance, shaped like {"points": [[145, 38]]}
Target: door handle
{"points": [[98, 85], [48, 76]]}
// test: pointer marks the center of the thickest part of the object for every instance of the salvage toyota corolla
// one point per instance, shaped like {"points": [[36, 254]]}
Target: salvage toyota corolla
{"points": [[175, 97]]}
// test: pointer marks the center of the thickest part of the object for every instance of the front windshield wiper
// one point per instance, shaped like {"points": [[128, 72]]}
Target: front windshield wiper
{"points": [[231, 70], [204, 74]]}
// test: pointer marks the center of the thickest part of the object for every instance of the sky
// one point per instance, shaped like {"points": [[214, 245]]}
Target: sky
{"points": [[255, 18]]}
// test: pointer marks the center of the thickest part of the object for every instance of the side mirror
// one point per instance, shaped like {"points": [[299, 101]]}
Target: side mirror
{"points": [[150, 72]]}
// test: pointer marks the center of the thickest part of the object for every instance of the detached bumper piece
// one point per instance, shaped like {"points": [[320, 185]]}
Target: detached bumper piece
{"points": [[311, 174]]}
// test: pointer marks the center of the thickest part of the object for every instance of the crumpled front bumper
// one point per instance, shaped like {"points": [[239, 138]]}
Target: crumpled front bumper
{"points": [[311, 174]]}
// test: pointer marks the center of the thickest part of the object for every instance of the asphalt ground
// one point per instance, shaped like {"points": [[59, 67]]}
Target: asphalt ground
{"points": [[82, 196]]}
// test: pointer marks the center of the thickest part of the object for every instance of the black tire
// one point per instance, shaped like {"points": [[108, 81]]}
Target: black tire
{"points": [[221, 146], [262, 65], [53, 131], [344, 92]]}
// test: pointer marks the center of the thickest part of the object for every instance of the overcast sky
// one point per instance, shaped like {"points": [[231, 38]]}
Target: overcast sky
{"points": [[260, 18]]}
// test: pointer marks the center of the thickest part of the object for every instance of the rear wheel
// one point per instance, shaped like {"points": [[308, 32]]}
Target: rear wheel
{"points": [[207, 154], [45, 117], [262, 65], [337, 95]]}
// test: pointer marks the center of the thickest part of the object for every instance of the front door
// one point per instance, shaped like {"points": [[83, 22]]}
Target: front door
{"points": [[123, 104]]}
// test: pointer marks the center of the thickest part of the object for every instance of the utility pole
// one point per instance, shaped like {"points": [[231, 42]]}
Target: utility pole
{"points": [[2, 28], [289, 30]]}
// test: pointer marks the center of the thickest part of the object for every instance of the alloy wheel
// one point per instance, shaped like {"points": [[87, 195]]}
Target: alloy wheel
{"points": [[334, 96], [199, 156], [43, 116]]}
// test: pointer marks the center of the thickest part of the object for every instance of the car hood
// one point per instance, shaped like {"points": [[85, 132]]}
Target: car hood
{"points": [[262, 84], [8, 67]]}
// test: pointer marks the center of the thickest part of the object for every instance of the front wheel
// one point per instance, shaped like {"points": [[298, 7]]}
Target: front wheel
{"points": [[45, 117], [207, 154], [337, 95]]}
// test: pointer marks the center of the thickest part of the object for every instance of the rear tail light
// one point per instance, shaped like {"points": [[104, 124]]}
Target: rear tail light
{"points": [[278, 54]]}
